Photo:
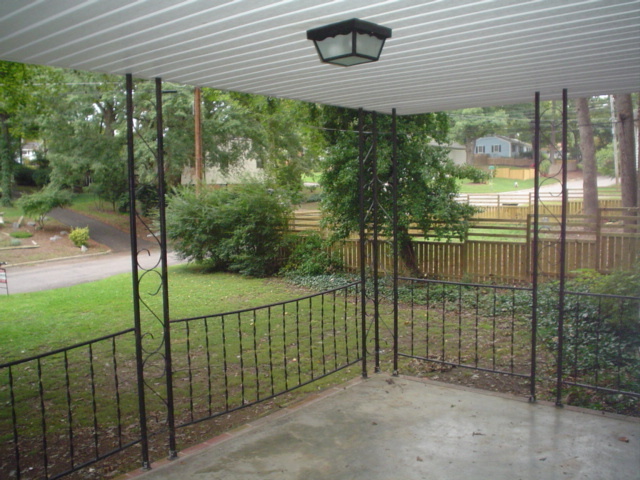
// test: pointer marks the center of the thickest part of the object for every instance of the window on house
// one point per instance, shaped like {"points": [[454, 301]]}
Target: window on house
{"points": [[480, 149], [496, 148]]}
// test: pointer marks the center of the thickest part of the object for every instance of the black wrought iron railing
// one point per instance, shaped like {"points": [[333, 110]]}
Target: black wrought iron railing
{"points": [[69, 408], [601, 345], [480, 327], [229, 361], [595, 357]]}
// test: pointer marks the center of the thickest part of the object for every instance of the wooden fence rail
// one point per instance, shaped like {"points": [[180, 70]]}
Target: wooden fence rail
{"points": [[499, 250]]}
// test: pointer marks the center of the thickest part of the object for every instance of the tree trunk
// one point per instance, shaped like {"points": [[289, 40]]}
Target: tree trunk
{"points": [[470, 146], [626, 144], [409, 259], [588, 150], [6, 161]]}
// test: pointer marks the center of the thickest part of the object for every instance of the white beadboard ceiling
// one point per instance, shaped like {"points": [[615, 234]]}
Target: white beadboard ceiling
{"points": [[444, 54]]}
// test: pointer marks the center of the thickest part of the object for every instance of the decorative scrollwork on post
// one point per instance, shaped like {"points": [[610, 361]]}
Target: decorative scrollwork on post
{"points": [[150, 281]]}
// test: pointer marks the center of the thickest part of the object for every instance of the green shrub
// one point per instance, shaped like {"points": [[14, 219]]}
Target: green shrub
{"points": [[79, 236], [545, 165], [42, 176], [310, 256], [37, 205], [605, 161], [21, 234], [601, 333], [474, 174], [236, 229]]}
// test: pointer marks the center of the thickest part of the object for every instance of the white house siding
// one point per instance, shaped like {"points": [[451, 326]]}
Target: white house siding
{"points": [[214, 176], [494, 147]]}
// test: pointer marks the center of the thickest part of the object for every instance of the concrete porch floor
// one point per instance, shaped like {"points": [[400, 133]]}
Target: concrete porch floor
{"points": [[401, 428]]}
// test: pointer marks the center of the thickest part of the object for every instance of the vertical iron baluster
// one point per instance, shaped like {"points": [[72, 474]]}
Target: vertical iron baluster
{"points": [[43, 421], [493, 328], [117, 388], [241, 358], [619, 361], [284, 343], [298, 358], [346, 329], [209, 373], [188, 328], [444, 314], [69, 411], [412, 319], [335, 333], [459, 324], [598, 327], [14, 424], [311, 339], [255, 355], [477, 324], [357, 323], [224, 364], [94, 402], [513, 327], [576, 341], [427, 312], [271, 379]]}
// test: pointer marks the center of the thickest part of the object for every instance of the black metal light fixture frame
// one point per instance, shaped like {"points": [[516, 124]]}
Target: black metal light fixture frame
{"points": [[350, 42]]}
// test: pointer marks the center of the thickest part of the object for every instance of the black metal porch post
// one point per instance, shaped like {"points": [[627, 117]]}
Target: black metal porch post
{"points": [[362, 242], [563, 248], [394, 160], [134, 277], [164, 272], [376, 259], [535, 247]]}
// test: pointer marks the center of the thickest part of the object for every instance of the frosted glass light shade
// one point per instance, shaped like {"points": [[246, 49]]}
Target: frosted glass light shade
{"points": [[350, 42]]}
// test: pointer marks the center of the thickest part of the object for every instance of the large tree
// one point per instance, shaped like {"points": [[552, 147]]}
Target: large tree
{"points": [[626, 145], [426, 179], [588, 151], [15, 103]]}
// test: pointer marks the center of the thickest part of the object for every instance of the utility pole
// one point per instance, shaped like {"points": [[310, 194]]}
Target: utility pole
{"points": [[198, 138]]}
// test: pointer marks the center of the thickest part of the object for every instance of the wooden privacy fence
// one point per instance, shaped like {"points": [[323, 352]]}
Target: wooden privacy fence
{"points": [[499, 250]]}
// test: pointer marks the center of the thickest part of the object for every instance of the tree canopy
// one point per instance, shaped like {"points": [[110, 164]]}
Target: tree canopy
{"points": [[426, 178]]}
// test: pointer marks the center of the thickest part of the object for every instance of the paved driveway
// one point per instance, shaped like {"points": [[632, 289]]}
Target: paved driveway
{"points": [[64, 273]]}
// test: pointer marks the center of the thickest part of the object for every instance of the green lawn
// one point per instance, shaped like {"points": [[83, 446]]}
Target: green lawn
{"points": [[89, 204], [32, 323], [495, 185]]}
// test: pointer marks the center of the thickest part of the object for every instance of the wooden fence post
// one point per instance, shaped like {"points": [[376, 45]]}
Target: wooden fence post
{"points": [[463, 255]]}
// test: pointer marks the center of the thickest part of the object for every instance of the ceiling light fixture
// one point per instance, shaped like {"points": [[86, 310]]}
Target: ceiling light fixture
{"points": [[350, 42]]}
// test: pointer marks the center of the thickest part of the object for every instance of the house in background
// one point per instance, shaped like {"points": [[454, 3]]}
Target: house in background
{"points": [[457, 152], [498, 146], [28, 151], [248, 168]]}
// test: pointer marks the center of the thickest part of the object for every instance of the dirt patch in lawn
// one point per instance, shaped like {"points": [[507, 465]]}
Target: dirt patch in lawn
{"points": [[44, 244]]}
